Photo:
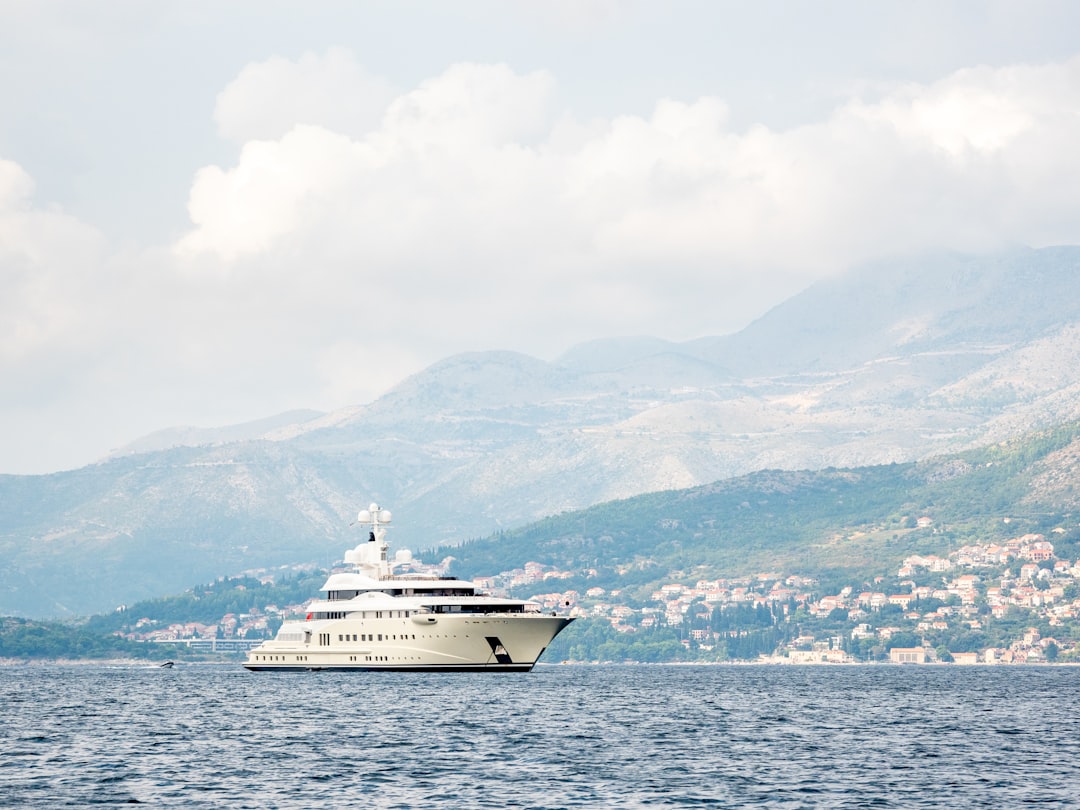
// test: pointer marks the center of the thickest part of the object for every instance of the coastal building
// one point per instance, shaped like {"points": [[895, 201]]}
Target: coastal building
{"points": [[907, 655]]}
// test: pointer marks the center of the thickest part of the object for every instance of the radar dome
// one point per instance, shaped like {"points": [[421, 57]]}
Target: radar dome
{"points": [[403, 556]]}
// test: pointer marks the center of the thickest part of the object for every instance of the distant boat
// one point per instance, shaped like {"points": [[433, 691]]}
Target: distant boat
{"points": [[374, 619], [166, 665]]}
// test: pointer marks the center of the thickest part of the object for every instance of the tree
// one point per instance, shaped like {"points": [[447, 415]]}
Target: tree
{"points": [[905, 639]]}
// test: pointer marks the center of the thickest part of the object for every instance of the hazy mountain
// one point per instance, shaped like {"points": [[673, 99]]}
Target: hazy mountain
{"points": [[963, 305], [886, 363], [188, 436], [850, 524]]}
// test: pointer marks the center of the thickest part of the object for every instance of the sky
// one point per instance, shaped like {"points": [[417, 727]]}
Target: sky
{"points": [[214, 212]]}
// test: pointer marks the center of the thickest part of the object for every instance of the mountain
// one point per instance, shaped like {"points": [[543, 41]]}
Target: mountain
{"points": [[280, 424], [887, 363], [961, 305], [850, 524]]}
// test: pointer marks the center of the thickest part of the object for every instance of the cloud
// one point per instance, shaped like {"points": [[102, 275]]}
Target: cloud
{"points": [[976, 161], [362, 233], [65, 334], [47, 267], [470, 106], [331, 90], [477, 167], [248, 209], [16, 186], [480, 214]]}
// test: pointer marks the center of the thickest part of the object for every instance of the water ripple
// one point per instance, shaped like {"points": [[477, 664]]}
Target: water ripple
{"points": [[560, 737]]}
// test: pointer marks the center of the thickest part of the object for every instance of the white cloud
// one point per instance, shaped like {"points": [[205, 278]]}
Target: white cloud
{"points": [[433, 156], [47, 267], [361, 234], [16, 186], [247, 209], [480, 215], [469, 107], [64, 334], [474, 168], [331, 90]]}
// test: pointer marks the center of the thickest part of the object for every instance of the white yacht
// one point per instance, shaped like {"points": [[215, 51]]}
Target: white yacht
{"points": [[373, 618]]}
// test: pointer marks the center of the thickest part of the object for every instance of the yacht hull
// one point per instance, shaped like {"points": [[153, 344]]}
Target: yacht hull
{"points": [[451, 643], [395, 668], [371, 618]]}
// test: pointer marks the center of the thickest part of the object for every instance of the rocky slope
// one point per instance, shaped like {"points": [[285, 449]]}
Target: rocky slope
{"points": [[886, 363]]}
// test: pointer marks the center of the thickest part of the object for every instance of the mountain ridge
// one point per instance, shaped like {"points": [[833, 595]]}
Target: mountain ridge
{"points": [[855, 371]]}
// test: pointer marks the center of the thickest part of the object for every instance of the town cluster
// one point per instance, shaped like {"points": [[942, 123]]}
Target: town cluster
{"points": [[947, 604], [936, 598], [232, 632]]}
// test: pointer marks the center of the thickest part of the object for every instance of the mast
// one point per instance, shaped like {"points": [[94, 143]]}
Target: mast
{"points": [[370, 557]]}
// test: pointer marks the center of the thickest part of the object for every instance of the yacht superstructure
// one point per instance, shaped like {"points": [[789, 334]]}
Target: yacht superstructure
{"points": [[372, 619]]}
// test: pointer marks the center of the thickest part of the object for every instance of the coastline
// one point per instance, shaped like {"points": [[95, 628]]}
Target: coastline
{"points": [[145, 664]]}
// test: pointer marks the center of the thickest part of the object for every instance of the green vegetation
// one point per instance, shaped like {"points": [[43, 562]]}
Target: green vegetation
{"points": [[833, 525], [96, 637], [208, 603], [836, 527], [595, 640], [26, 639]]}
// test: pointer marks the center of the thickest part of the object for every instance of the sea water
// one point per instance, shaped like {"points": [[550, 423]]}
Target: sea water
{"points": [[560, 736]]}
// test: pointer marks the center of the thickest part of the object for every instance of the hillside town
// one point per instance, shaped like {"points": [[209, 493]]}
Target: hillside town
{"points": [[1020, 585], [1013, 602]]}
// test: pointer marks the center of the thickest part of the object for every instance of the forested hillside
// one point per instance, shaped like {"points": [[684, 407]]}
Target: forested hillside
{"points": [[852, 522], [831, 529], [925, 357]]}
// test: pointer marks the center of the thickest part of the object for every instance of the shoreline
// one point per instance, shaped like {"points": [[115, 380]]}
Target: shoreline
{"points": [[147, 664]]}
